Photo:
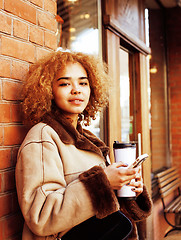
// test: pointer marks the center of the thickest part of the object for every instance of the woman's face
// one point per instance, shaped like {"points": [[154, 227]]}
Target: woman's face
{"points": [[71, 89]]}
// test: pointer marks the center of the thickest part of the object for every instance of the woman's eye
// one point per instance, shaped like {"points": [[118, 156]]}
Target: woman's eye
{"points": [[63, 84], [83, 83]]}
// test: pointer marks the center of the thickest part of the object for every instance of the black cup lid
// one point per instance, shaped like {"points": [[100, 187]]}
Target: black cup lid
{"points": [[117, 144]]}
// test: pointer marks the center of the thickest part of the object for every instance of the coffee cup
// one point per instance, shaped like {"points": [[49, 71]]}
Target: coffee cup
{"points": [[126, 153]]}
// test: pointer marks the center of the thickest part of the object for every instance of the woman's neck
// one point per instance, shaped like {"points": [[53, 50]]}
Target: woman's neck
{"points": [[74, 122], [73, 118]]}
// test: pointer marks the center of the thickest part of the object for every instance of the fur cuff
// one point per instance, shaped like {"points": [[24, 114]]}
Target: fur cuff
{"points": [[141, 207], [102, 196]]}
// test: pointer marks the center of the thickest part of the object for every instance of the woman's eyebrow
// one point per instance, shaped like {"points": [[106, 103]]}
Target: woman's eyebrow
{"points": [[68, 78], [63, 78]]}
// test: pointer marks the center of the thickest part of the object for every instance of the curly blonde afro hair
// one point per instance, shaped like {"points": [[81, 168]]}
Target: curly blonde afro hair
{"points": [[37, 90]]}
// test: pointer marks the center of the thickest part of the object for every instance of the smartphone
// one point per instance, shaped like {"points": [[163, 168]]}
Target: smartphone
{"points": [[139, 160]]}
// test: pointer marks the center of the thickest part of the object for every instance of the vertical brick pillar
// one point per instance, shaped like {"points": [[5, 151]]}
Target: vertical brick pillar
{"points": [[174, 74], [158, 104], [27, 32]]}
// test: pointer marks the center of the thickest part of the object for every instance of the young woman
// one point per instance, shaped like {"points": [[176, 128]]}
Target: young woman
{"points": [[62, 174]]}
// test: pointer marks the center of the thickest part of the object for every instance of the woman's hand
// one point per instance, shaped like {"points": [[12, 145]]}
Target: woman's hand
{"points": [[138, 183], [119, 177]]}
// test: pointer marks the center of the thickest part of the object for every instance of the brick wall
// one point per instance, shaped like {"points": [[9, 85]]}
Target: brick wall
{"points": [[158, 120], [27, 32], [174, 74], [173, 33]]}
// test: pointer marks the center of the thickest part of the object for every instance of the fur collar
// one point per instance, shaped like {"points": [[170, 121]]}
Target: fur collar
{"points": [[81, 138]]}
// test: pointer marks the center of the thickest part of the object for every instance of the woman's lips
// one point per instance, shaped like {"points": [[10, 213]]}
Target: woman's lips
{"points": [[76, 101]]}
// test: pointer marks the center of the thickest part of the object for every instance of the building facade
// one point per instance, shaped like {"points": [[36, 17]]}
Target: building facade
{"points": [[143, 103]]}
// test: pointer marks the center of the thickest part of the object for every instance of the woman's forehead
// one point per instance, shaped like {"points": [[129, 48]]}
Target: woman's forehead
{"points": [[72, 68], [69, 65]]}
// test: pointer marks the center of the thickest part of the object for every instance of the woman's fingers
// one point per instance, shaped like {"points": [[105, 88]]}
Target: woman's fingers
{"points": [[125, 176], [137, 186], [138, 191], [118, 175], [127, 173], [120, 164]]}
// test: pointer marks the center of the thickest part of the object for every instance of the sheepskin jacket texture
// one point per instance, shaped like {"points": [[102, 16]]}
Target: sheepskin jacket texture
{"points": [[61, 182]]}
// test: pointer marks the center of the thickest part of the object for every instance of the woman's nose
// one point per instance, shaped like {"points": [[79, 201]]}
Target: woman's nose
{"points": [[75, 90]]}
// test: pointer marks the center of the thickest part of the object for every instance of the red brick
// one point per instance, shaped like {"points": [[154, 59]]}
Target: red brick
{"points": [[5, 204], [14, 155], [5, 23], [47, 21], [20, 29], [50, 6], [5, 156], [16, 207], [41, 52], [1, 4], [50, 40], [36, 35], [37, 2], [174, 54], [21, 9], [13, 225], [9, 181], [17, 49], [19, 70], [14, 135], [5, 68], [1, 176], [0, 89], [16, 113], [5, 113], [12, 90], [1, 229], [1, 135]]}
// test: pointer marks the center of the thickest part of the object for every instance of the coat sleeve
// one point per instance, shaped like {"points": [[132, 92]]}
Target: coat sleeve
{"points": [[50, 205], [140, 208], [102, 196]]}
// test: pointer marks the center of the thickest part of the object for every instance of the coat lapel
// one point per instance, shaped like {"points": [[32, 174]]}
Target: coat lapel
{"points": [[81, 138]]}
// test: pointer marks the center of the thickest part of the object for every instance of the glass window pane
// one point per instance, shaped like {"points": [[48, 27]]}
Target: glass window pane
{"points": [[80, 28], [126, 121]]}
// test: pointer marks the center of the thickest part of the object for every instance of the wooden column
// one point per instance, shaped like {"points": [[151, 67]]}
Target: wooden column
{"points": [[114, 112], [145, 133]]}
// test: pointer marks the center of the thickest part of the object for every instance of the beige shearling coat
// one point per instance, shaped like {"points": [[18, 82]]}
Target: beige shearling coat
{"points": [[54, 166]]}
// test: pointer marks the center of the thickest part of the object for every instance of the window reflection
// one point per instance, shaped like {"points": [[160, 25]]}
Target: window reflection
{"points": [[87, 42], [80, 25]]}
